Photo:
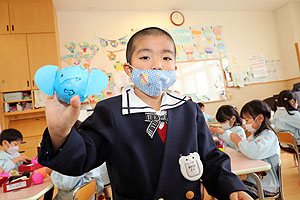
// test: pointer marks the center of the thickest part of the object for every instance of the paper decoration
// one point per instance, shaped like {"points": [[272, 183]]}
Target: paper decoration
{"points": [[70, 46], [84, 46], [114, 43], [198, 42], [118, 66], [258, 66], [111, 56], [94, 48]]}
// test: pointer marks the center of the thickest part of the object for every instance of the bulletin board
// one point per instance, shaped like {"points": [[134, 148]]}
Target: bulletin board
{"points": [[201, 80]]}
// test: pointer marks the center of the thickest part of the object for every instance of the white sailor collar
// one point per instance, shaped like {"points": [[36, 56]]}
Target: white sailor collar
{"points": [[133, 104]]}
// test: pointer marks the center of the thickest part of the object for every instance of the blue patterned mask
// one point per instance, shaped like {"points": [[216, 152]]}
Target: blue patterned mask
{"points": [[153, 82]]}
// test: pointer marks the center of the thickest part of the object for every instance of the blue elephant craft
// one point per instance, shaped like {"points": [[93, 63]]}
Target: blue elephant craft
{"points": [[70, 81]]}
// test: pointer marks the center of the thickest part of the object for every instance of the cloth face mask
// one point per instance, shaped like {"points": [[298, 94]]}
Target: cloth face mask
{"points": [[12, 150], [152, 82]]}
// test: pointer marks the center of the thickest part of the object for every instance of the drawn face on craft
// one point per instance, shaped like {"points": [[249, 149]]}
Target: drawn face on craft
{"points": [[71, 81]]}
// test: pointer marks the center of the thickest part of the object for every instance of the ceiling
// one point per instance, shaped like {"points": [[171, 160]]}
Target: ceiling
{"points": [[163, 5]]}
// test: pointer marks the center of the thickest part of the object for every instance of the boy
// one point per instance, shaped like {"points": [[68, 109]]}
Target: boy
{"points": [[142, 134], [208, 118], [10, 158]]}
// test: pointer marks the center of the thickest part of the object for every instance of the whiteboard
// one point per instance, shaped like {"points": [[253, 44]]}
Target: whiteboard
{"points": [[201, 80]]}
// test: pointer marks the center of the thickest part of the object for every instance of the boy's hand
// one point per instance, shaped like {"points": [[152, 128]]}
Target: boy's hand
{"points": [[1, 170], [60, 118], [49, 171], [235, 138], [20, 159], [240, 195]]}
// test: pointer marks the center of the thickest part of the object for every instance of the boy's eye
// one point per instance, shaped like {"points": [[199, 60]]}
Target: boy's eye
{"points": [[167, 58], [145, 58]]}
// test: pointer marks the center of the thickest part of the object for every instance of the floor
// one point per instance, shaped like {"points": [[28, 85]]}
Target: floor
{"points": [[291, 183]]}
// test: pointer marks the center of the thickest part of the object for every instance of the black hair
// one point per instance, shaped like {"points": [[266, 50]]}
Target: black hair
{"points": [[255, 108], [200, 104], [226, 112], [10, 135], [283, 100], [145, 32]]}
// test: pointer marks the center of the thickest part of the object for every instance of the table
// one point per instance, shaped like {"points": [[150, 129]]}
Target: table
{"points": [[32, 192], [241, 165]]}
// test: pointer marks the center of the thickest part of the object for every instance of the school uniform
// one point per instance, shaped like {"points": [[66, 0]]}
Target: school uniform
{"points": [[67, 184], [284, 122], [143, 165], [264, 147], [6, 161], [226, 136]]}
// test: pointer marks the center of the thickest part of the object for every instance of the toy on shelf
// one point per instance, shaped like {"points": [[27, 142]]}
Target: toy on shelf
{"points": [[70, 81]]}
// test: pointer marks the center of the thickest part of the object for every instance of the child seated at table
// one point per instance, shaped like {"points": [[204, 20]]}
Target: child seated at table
{"points": [[207, 117], [230, 122], [67, 184], [10, 158], [262, 144]]}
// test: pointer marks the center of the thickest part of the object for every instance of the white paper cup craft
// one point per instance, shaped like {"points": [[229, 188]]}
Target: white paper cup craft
{"points": [[70, 81], [191, 166]]}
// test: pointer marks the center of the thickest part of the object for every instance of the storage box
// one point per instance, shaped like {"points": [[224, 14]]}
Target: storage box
{"points": [[13, 96], [29, 167], [7, 187]]}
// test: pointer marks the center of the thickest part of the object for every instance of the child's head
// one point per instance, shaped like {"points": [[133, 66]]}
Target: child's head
{"points": [[150, 63], [201, 105], [228, 116], [287, 99], [257, 115], [147, 36], [11, 139]]}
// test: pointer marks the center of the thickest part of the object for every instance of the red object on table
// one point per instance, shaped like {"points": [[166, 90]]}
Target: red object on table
{"points": [[8, 187], [29, 167]]}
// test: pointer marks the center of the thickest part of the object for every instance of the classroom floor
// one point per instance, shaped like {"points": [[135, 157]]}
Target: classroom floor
{"points": [[291, 186]]}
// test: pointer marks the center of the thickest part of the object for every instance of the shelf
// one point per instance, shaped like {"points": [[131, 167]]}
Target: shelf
{"points": [[24, 112], [24, 100]]}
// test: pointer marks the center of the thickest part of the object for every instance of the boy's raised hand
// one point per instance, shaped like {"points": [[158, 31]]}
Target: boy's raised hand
{"points": [[21, 158], [60, 118]]}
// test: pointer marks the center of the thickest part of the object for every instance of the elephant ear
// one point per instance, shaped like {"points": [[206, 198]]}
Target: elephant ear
{"points": [[44, 78], [98, 81]]}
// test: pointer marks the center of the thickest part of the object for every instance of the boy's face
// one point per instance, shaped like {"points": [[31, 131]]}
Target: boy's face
{"points": [[154, 52]]}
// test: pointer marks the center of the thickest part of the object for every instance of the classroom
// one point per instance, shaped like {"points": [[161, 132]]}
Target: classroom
{"points": [[228, 52]]}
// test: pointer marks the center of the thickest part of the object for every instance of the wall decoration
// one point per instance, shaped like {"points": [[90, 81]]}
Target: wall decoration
{"points": [[198, 42], [113, 43]]}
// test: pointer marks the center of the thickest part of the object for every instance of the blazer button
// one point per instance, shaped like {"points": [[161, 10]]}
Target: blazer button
{"points": [[189, 195], [160, 199]]}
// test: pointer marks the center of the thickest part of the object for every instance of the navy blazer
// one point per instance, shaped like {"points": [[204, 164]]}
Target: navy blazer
{"points": [[140, 167]]}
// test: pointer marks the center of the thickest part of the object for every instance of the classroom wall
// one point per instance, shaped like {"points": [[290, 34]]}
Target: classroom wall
{"points": [[245, 34], [288, 29]]}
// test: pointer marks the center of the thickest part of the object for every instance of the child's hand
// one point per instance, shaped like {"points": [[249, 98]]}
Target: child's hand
{"points": [[20, 159], [61, 117], [216, 130], [1, 170], [240, 195], [49, 171], [235, 138]]}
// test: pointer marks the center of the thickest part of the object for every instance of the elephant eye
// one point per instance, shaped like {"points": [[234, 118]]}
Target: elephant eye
{"points": [[61, 75], [78, 78]]}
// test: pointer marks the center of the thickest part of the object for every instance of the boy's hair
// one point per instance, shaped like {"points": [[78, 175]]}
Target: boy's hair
{"points": [[226, 112], [145, 32], [283, 100], [256, 107], [200, 104], [10, 135]]}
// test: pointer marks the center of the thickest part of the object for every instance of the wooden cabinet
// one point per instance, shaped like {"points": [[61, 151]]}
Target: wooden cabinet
{"points": [[4, 18], [26, 16], [14, 63], [21, 55], [42, 50]]}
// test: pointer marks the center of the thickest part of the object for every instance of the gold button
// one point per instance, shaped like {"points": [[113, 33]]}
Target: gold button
{"points": [[160, 199], [189, 195]]}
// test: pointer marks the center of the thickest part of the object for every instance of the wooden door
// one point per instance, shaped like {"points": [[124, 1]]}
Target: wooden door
{"points": [[4, 18], [42, 50], [34, 16], [14, 74]]}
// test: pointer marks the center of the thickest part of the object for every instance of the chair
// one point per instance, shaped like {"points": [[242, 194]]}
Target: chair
{"points": [[280, 194], [86, 192], [288, 138]]}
